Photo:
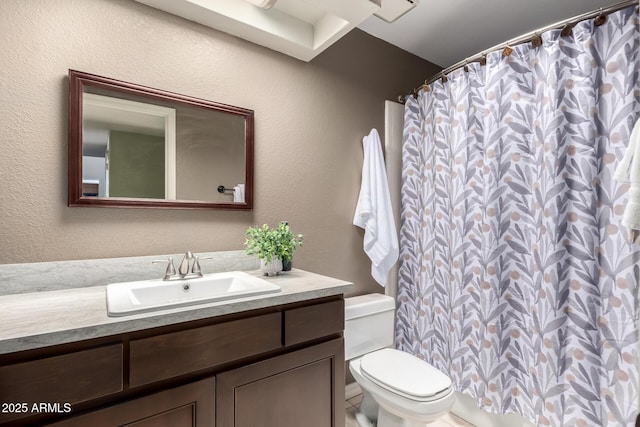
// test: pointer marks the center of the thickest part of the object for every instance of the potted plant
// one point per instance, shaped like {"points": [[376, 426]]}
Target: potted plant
{"points": [[271, 246], [289, 242]]}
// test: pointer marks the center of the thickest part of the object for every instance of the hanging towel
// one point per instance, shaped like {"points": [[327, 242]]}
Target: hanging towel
{"points": [[238, 193], [374, 213], [629, 171]]}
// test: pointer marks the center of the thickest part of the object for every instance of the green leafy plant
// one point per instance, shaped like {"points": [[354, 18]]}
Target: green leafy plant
{"points": [[288, 242], [268, 243]]}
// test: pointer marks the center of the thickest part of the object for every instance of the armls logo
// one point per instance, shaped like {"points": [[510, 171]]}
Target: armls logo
{"points": [[50, 408]]}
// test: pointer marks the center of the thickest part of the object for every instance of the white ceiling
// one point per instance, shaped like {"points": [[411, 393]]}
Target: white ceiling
{"points": [[445, 32], [441, 31]]}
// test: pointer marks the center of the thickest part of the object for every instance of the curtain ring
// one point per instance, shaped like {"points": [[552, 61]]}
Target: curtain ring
{"points": [[567, 30], [536, 41], [483, 58], [600, 19], [507, 51], [444, 78]]}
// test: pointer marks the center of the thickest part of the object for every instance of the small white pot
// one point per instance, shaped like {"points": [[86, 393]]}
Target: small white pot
{"points": [[271, 268]]}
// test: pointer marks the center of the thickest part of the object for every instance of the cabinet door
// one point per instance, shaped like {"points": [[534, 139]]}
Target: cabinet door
{"points": [[302, 388], [192, 405]]}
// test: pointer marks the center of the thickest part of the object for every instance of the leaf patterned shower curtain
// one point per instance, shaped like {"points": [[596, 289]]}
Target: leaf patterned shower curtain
{"points": [[517, 277]]}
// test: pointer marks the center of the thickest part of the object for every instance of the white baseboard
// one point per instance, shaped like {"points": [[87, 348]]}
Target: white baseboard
{"points": [[352, 390]]}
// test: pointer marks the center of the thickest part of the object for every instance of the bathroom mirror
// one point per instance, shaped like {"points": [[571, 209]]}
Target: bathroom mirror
{"points": [[134, 146]]}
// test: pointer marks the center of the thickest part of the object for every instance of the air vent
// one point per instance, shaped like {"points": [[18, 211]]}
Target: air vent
{"points": [[391, 10]]}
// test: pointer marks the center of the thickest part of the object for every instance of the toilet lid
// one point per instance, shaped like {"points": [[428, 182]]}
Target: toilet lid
{"points": [[404, 374]]}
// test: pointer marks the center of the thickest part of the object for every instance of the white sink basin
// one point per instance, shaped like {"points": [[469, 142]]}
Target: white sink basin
{"points": [[148, 295]]}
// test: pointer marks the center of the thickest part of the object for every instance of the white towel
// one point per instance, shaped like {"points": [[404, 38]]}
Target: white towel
{"points": [[629, 171], [374, 213], [238, 193]]}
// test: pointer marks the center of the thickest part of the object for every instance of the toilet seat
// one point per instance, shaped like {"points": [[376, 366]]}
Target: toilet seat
{"points": [[405, 375]]}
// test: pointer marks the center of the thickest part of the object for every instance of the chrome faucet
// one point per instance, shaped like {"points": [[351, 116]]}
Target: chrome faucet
{"points": [[188, 260], [189, 267]]}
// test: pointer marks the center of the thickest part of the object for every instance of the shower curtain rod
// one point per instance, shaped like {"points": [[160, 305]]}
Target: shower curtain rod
{"points": [[534, 37]]}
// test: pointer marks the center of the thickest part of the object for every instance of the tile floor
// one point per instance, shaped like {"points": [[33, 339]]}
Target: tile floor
{"points": [[448, 420]]}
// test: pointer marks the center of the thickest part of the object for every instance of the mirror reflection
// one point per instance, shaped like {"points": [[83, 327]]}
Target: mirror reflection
{"points": [[144, 147]]}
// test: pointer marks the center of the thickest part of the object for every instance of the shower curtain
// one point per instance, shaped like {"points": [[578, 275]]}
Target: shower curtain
{"points": [[517, 277]]}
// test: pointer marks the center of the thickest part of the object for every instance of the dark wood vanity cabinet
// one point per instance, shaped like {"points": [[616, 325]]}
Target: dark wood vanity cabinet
{"points": [[280, 366]]}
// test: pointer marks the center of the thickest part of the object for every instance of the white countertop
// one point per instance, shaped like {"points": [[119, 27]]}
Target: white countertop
{"points": [[41, 319]]}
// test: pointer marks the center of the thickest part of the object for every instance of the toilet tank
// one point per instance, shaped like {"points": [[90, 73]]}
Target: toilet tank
{"points": [[368, 324]]}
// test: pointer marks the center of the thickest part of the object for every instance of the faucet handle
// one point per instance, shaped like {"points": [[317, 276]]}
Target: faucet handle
{"points": [[196, 265], [171, 269]]}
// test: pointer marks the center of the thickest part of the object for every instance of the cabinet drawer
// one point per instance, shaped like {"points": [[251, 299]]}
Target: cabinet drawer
{"points": [[316, 321], [169, 355], [70, 378]]}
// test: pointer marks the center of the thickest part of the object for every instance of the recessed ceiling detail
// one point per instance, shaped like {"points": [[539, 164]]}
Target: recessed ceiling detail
{"points": [[298, 28]]}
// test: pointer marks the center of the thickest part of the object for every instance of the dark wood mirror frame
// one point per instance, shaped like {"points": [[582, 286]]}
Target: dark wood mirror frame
{"points": [[79, 80]]}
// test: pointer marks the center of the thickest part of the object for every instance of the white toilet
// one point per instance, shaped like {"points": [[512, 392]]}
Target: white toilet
{"points": [[399, 389]]}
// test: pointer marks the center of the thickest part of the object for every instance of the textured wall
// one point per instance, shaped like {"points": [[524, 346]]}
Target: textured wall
{"points": [[309, 122]]}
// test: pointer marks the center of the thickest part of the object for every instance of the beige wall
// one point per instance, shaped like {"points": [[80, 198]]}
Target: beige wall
{"points": [[309, 122]]}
